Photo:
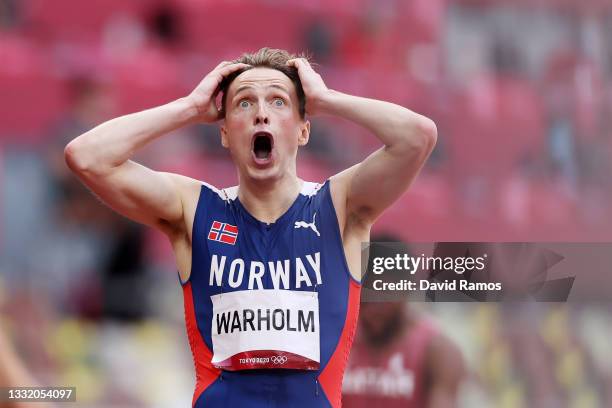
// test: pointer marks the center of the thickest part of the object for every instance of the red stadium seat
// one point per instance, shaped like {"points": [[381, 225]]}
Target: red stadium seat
{"points": [[33, 95], [237, 27], [73, 20], [499, 118], [149, 78]]}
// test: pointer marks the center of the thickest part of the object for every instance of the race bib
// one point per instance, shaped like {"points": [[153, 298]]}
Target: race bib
{"points": [[269, 328]]}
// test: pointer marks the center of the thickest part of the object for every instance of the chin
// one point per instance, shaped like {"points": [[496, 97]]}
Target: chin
{"points": [[266, 174]]}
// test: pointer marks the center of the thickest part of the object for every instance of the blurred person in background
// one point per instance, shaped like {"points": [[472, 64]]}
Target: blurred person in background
{"points": [[272, 215], [561, 105], [114, 264], [400, 357]]}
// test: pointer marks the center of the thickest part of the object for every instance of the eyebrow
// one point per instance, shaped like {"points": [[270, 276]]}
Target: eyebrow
{"points": [[245, 87]]}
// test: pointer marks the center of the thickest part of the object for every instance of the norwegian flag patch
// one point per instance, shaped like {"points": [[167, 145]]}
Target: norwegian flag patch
{"points": [[223, 232]]}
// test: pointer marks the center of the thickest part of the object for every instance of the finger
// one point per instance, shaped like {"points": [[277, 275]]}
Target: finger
{"points": [[231, 67], [293, 62], [307, 64], [300, 59], [222, 64], [225, 64], [299, 63]]}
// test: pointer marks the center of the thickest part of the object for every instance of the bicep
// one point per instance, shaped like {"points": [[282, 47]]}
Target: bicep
{"points": [[139, 193], [379, 180]]}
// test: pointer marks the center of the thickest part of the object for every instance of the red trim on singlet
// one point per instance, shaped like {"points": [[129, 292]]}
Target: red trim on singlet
{"points": [[331, 376], [206, 374]]}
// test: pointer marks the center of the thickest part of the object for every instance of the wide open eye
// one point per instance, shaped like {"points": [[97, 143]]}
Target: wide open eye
{"points": [[279, 102], [244, 103]]}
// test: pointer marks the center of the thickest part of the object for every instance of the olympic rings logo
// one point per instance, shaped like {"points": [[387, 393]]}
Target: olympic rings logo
{"points": [[278, 359]]}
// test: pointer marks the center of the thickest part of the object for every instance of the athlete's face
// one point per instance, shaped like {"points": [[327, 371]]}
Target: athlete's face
{"points": [[262, 126]]}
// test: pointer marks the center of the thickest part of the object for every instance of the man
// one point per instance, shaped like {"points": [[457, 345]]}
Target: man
{"points": [[269, 268], [399, 357]]}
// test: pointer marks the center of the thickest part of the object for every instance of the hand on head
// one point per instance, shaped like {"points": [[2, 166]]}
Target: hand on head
{"points": [[314, 87], [204, 96]]}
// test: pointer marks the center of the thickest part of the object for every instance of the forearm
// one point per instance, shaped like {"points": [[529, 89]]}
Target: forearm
{"points": [[114, 142], [395, 126]]}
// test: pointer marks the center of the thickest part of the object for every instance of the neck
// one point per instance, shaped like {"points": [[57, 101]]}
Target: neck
{"points": [[268, 200]]}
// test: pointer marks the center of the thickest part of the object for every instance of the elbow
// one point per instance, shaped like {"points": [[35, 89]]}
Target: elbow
{"points": [[85, 159], [76, 157], [71, 156], [420, 139], [427, 135]]}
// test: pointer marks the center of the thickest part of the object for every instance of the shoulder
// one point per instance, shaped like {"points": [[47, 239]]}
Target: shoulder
{"points": [[442, 346], [183, 183], [446, 364], [189, 190], [340, 184]]}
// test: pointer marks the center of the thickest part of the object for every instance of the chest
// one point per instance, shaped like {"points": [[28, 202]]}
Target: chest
{"points": [[246, 254]]}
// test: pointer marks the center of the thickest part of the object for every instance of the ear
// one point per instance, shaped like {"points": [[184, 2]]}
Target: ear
{"points": [[224, 138], [304, 134]]}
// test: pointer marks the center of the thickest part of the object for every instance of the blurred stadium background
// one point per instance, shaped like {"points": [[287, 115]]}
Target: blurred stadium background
{"points": [[521, 92]]}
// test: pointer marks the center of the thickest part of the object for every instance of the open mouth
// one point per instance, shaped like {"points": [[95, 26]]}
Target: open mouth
{"points": [[262, 146]]}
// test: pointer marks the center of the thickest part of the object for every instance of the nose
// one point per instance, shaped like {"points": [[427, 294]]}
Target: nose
{"points": [[261, 116]]}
